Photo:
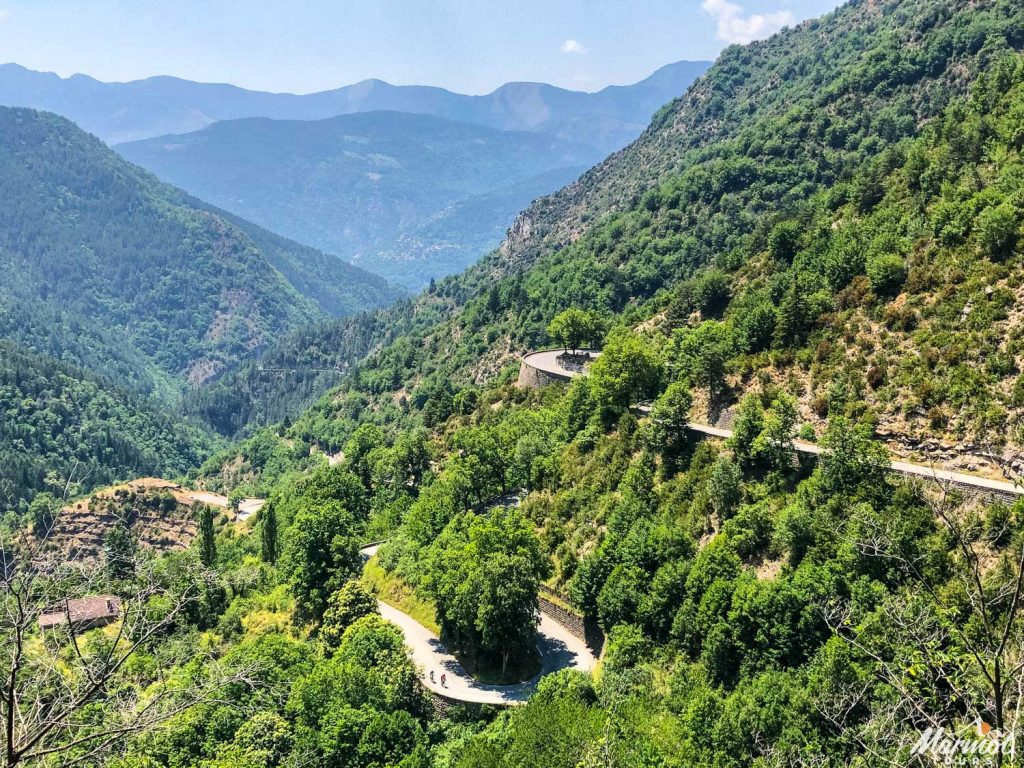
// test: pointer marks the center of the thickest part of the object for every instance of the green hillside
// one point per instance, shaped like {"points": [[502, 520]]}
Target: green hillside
{"points": [[338, 288], [64, 430], [847, 269], [819, 97], [108, 251], [792, 158]]}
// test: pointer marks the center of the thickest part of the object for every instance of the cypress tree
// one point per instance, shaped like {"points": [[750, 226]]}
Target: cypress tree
{"points": [[268, 535], [792, 319], [119, 551], [207, 544]]}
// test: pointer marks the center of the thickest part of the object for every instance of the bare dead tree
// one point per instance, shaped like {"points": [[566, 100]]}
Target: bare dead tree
{"points": [[960, 633], [52, 680]]}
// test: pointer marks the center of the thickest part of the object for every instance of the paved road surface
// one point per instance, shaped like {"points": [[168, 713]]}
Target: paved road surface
{"points": [[249, 507], [902, 467], [559, 650], [547, 362]]}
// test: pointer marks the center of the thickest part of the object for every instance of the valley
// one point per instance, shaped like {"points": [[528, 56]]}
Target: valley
{"points": [[198, 293], [410, 197], [712, 461]]}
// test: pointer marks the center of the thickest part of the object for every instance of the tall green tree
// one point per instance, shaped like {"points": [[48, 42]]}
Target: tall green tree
{"points": [[791, 323], [321, 554], [207, 537], [700, 354], [998, 230], [784, 241], [508, 612], [120, 551], [851, 462], [344, 608], [269, 546], [746, 429], [364, 440], [43, 511], [725, 487], [484, 573], [627, 372], [670, 416], [774, 445], [575, 327]]}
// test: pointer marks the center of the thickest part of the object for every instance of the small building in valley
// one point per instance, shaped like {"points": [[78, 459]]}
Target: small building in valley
{"points": [[82, 613]]}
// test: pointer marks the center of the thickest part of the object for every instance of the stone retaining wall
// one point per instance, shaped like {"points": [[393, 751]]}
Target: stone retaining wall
{"points": [[442, 705], [575, 624], [972, 491], [585, 629], [532, 378], [567, 366]]}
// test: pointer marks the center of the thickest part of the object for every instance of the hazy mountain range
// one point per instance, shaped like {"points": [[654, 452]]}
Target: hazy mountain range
{"points": [[119, 112], [408, 196], [412, 182]]}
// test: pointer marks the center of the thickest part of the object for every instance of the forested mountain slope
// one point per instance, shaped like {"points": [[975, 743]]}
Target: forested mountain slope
{"points": [[119, 112], [409, 196], [758, 610], [339, 288], [817, 96], [95, 248], [770, 137], [64, 430]]}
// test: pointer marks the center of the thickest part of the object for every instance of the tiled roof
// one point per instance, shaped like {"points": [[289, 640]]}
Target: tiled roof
{"points": [[86, 610]]}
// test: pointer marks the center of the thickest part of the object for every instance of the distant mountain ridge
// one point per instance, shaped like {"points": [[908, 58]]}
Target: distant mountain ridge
{"points": [[120, 112], [411, 197]]}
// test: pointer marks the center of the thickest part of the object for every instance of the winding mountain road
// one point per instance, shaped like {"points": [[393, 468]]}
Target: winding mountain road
{"points": [[559, 649], [547, 361]]}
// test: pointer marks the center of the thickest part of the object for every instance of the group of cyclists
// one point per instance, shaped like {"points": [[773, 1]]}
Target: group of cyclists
{"points": [[444, 678]]}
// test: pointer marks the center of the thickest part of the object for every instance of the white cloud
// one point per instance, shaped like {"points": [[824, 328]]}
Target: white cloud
{"points": [[4, 15], [573, 46], [734, 27]]}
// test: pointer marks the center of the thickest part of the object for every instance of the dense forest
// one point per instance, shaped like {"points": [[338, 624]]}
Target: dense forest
{"points": [[120, 293], [94, 247], [65, 431], [756, 610]]}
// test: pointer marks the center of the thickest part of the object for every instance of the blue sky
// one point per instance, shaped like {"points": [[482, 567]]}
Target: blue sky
{"points": [[307, 45]]}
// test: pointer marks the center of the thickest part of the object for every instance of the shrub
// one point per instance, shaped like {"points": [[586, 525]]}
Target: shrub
{"points": [[887, 274], [998, 231], [627, 646]]}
